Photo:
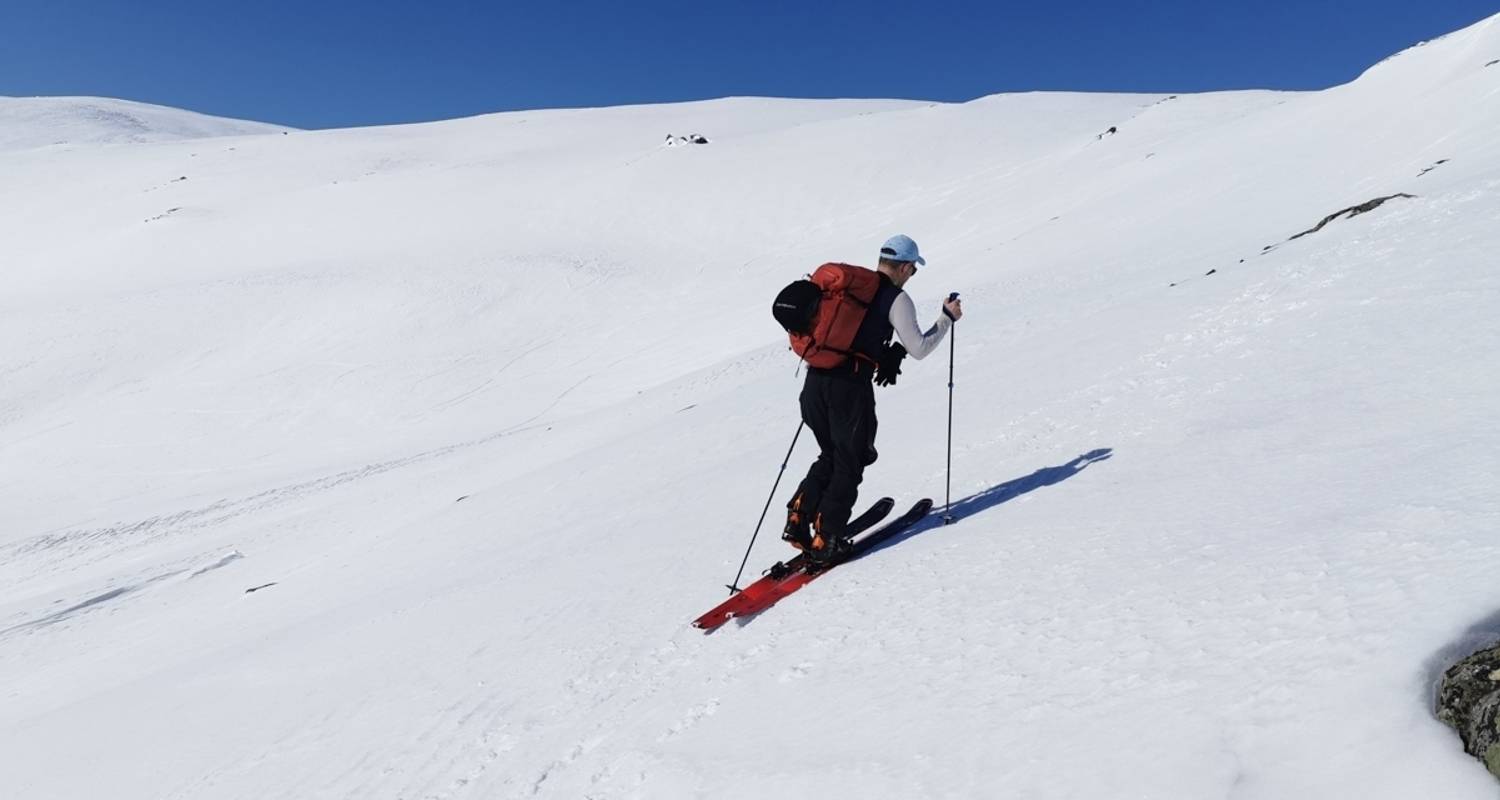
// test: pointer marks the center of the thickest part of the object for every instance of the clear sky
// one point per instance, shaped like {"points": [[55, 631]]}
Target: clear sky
{"points": [[334, 63]]}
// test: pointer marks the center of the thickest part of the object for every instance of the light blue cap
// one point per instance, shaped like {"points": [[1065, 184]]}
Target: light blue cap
{"points": [[901, 248]]}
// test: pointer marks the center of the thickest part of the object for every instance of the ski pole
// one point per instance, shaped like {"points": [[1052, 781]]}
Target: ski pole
{"points": [[952, 345], [735, 587]]}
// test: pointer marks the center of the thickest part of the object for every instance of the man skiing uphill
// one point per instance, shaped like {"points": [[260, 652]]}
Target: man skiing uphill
{"points": [[838, 402]]}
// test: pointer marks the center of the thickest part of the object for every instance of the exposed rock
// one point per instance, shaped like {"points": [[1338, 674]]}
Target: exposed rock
{"points": [[696, 138], [1469, 702], [1352, 211]]}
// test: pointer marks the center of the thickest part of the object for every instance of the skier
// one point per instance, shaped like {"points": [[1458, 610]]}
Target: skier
{"points": [[838, 403]]}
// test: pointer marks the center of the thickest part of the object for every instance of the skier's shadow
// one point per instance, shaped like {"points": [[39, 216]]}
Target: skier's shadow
{"points": [[1001, 493], [983, 501]]}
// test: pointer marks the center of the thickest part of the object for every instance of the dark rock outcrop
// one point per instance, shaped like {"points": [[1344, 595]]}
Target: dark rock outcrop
{"points": [[1434, 166], [1352, 211], [1469, 702]]}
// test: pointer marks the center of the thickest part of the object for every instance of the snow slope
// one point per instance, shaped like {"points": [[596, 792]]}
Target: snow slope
{"points": [[484, 411], [31, 122]]}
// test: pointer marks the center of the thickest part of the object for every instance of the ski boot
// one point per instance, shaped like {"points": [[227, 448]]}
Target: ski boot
{"points": [[826, 548], [798, 530]]}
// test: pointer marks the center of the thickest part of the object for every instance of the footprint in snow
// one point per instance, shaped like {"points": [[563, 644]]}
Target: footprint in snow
{"points": [[796, 672], [694, 714]]}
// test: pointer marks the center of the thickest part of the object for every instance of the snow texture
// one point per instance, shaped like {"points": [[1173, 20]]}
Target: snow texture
{"points": [[1218, 533], [31, 122]]}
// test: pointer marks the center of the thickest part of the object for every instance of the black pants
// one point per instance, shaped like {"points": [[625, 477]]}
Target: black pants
{"points": [[839, 409]]}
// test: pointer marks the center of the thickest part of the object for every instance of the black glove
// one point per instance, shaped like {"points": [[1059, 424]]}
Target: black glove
{"points": [[889, 365]]}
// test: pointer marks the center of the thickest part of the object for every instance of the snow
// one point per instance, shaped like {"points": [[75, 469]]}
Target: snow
{"points": [[32, 122], [484, 411]]}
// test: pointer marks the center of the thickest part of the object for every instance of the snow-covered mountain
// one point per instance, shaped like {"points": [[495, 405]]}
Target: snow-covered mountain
{"points": [[30, 122], [393, 462]]}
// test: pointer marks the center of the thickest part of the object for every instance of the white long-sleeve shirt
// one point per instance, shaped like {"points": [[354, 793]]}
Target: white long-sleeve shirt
{"points": [[903, 318]]}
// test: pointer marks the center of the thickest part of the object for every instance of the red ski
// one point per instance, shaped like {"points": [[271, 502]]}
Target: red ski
{"points": [[785, 578], [754, 593]]}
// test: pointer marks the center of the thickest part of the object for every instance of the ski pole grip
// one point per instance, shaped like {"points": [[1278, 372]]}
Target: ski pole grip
{"points": [[951, 297]]}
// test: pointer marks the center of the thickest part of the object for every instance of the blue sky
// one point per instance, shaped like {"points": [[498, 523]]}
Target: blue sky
{"points": [[340, 62]]}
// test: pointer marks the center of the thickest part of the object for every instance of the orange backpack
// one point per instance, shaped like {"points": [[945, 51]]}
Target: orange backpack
{"points": [[822, 314]]}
